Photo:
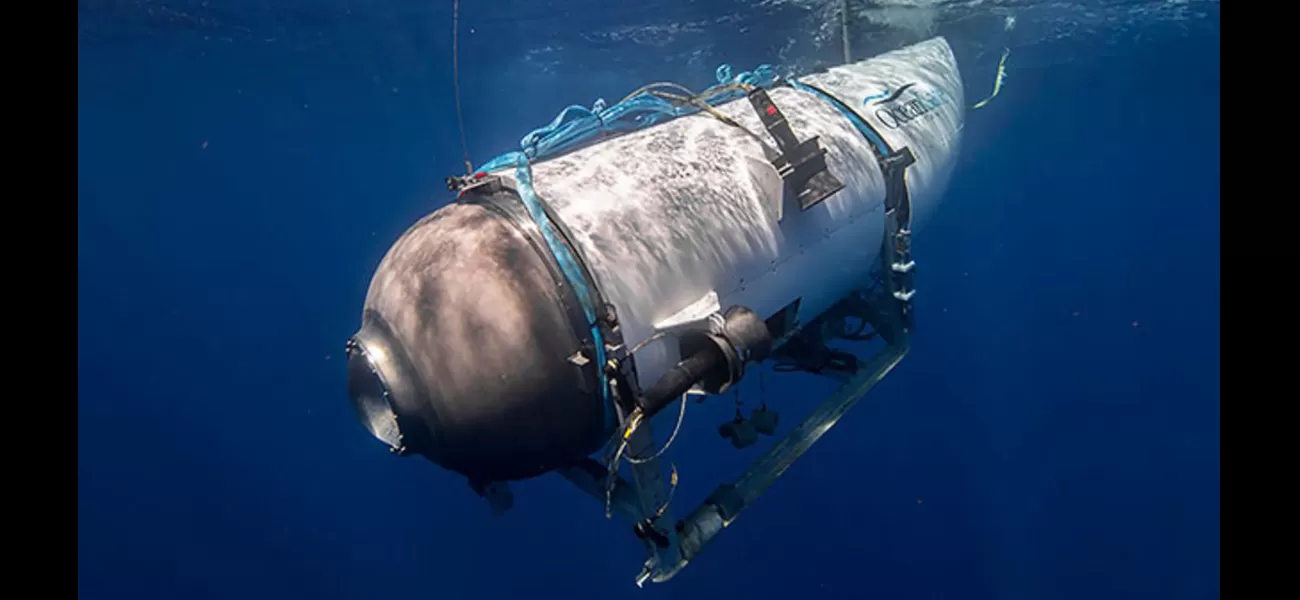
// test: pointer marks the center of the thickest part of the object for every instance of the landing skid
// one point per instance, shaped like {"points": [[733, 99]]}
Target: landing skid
{"points": [[672, 547]]}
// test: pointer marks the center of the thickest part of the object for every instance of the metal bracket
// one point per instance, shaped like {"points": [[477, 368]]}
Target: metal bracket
{"points": [[896, 251], [652, 491], [636, 502], [801, 165]]}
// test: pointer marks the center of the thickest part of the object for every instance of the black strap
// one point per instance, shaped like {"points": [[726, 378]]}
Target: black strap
{"points": [[896, 254]]}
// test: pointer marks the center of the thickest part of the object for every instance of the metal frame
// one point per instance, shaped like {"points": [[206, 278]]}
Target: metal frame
{"points": [[640, 499]]}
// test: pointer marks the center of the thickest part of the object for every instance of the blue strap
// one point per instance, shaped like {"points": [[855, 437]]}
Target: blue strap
{"points": [[882, 149], [577, 126], [572, 273]]}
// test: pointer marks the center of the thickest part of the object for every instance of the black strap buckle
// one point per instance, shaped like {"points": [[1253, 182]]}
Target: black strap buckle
{"points": [[802, 165]]}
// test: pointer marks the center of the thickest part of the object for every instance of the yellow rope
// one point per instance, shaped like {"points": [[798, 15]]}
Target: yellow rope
{"points": [[997, 83]]}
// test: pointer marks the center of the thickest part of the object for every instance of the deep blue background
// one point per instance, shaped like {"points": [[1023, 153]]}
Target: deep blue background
{"points": [[1054, 433]]}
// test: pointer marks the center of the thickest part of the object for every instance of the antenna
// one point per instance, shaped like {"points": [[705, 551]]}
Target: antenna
{"points": [[844, 30], [455, 80]]}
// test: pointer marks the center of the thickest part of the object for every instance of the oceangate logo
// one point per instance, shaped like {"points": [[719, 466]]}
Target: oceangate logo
{"points": [[887, 96], [898, 108]]}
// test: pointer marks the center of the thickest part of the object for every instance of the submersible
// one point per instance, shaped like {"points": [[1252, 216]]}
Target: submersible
{"points": [[633, 254]]}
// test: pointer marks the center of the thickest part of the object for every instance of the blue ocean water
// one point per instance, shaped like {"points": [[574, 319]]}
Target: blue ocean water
{"points": [[242, 167]]}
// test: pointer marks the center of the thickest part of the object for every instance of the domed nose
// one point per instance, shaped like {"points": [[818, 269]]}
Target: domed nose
{"points": [[462, 355], [379, 375]]}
